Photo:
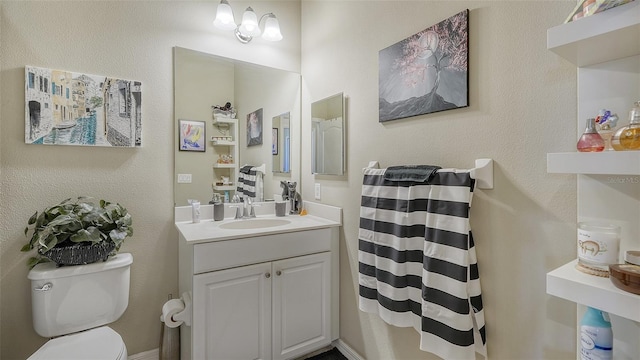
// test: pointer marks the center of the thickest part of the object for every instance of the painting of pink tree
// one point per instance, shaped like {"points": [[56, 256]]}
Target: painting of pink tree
{"points": [[426, 72]]}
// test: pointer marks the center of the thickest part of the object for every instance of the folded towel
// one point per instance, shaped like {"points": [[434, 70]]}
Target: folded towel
{"points": [[415, 173], [246, 169]]}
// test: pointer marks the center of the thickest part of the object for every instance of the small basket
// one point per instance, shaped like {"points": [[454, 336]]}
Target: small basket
{"points": [[80, 254]]}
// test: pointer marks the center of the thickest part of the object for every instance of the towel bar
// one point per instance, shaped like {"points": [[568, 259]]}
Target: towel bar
{"points": [[262, 168], [482, 172]]}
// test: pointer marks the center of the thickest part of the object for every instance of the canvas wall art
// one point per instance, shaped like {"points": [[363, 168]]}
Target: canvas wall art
{"points": [[426, 72], [254, 128], [192, 135], [67, 108]]}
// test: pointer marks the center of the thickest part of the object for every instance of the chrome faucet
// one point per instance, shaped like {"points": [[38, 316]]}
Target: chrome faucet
{"points": [[249, 212], [245, 209]]}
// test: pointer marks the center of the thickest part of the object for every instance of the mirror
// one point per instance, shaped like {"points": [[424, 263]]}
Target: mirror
{"points": [[327, 136], [256, 93], [281, 143]]}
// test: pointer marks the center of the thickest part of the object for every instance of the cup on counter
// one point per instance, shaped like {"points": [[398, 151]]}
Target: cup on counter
{"points": [[281, 208], [218, 211]]}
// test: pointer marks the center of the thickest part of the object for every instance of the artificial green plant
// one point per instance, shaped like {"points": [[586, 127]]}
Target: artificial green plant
{"points": [[76, 221]]}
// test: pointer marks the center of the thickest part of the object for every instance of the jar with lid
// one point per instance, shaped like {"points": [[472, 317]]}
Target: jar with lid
{"points": [[598, 245]]}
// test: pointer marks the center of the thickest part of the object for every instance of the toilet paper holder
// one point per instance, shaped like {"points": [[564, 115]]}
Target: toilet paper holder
{"points": [[183, 316]]}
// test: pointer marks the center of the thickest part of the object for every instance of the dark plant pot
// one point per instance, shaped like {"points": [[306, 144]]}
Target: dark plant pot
{"points": [[79, 254]]}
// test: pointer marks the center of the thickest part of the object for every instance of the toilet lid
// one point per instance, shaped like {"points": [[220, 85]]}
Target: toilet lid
{"points": [[96, 344]]}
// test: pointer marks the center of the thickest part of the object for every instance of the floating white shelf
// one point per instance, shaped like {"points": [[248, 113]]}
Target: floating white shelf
{"points": [[605, 162], [223, 142], [224, 166], [224, 120], [602, 37], [570, 284], [224, 187]]}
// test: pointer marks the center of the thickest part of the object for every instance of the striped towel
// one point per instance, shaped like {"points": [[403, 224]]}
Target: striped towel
{"points": [[417, 260], [247, 181]]}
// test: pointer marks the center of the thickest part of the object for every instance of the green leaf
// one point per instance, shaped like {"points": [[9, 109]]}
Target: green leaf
{"points": [[117, 234], [32, 219], [49, 242], [41, 219], [33, 261], [27, 247], [90, 234]]}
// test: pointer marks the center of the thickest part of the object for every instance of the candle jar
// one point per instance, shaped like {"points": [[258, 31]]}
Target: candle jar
{"points": [[598, 245]]}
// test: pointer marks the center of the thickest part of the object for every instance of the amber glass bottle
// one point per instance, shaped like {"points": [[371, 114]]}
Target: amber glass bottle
{"points": [[628, 137]]}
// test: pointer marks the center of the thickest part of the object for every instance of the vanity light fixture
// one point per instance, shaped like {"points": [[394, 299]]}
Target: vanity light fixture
{"points": [[250, 26]]}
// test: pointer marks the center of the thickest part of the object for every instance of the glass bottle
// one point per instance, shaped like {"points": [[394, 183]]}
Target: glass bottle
{"points": [[591, 141], [628, 137]]}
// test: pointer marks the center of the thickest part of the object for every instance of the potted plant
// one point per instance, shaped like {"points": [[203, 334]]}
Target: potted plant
{"points": [[76, 232]]}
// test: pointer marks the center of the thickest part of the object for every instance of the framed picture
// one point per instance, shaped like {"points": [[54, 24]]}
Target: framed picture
{"points": [[68, 108], [426, 72], [192, 135], [254, 128], [274, 145]]}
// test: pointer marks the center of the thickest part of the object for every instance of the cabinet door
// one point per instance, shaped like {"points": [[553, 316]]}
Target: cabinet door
{"points": [[232, 314], [301, 305]]}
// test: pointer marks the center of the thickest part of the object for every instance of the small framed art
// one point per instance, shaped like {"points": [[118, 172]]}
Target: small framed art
{"points": [[192, 135]]}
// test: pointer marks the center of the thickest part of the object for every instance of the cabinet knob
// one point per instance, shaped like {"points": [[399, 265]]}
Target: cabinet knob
{"points": [[267, 275], [278, 273]]}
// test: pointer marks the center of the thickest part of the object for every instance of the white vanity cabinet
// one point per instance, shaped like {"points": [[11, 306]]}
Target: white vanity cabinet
{"points": [[606, 49], [275, 310], [259, 295]]}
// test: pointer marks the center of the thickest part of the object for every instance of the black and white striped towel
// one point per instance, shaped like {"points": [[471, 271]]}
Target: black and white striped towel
{"points": [[247, 181], [417, 260]]}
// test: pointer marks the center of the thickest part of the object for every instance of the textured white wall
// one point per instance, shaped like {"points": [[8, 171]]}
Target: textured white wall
{"points": [[522, 105], [132, 40]]}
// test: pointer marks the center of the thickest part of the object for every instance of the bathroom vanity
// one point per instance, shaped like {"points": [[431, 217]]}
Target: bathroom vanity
{"points": [[262, 288]]}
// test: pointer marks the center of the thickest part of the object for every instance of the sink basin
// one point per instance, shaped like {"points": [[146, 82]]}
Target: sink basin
{"points": [[254, 223]]}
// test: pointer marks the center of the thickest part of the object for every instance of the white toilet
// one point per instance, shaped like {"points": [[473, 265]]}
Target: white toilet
{"points": [[73, 305]]}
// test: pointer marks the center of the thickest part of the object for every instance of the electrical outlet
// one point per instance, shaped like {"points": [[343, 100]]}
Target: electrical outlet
{"points": [[317, 191], [184, 178]]}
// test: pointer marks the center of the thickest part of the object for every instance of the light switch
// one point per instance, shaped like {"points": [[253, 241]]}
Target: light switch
{"points": [[184, 178], [317, 192]]}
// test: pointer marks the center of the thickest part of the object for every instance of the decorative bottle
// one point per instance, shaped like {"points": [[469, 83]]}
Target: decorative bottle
{"points": [[596, 337], [590, 141], [628, 137]]}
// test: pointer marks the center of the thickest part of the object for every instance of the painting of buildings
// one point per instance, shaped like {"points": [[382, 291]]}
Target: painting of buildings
{"points": [[65, 108]]}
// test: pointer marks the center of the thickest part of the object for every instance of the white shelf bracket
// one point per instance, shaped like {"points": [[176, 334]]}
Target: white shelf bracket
{"points": [[483, 173]]}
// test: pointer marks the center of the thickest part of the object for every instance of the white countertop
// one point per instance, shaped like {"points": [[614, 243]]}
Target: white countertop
{"points": [[320, 216]]}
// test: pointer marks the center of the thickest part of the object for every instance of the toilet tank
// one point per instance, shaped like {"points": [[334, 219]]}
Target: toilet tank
{"points": [[69, 299]]}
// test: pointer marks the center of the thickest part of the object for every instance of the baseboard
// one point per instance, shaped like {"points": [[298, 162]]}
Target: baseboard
{"points": [[147, 355], [347, 351]]}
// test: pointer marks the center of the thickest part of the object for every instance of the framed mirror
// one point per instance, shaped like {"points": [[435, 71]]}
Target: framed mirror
{"points": [[203, 81], [328, 136], [281, 143]]}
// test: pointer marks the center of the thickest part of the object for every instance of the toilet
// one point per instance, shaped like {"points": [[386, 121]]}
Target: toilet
{"points": [[73, 304]]}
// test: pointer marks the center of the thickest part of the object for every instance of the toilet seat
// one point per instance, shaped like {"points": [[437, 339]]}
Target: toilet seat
{"points": [[96, 344]]}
